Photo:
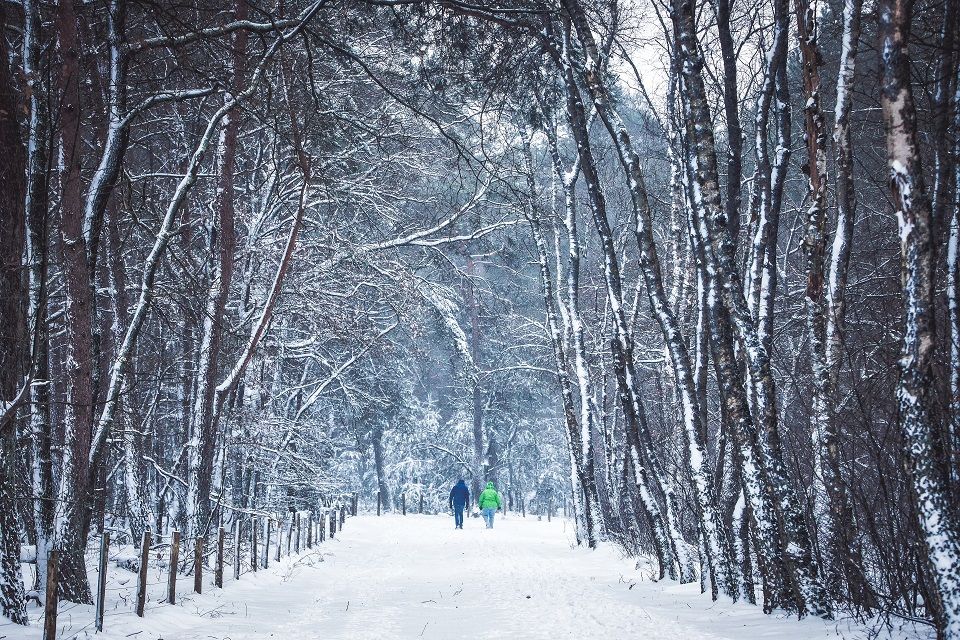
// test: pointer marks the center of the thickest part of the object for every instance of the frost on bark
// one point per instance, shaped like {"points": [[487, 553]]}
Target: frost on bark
{"points": [[224, 238], [918, 419], [38, 236], [13, 342], [647, 471], [140, 516], [809, 595], [842, 549], [814, 244], [581, 455], [953, 302], [593, 445], [716, 550], [74, 492]]}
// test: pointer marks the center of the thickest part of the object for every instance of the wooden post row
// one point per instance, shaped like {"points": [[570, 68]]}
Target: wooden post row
{"points": [[102, 579], [174, 561], [52, 599], [142, 575], [218, 567], [198, 565]]}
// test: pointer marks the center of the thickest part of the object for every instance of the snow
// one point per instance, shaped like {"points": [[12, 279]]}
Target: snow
{"points": [[401, 577]]}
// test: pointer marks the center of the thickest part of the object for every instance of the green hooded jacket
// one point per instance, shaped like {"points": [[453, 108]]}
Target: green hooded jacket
{"points": [[489, 498]]}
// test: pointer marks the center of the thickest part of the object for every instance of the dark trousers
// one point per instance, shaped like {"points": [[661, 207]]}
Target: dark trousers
{"points": [[458, 514]]}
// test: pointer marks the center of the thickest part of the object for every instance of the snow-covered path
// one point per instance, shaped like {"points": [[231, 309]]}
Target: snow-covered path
{"points": [[414, 577]]}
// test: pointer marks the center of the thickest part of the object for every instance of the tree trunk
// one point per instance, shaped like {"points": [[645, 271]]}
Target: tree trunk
{"points": [[598, 511], [13, 336], [204, 427], [843, 549], [376, 439], [38, 252], [696, 457], [953, 305], [74, 492], [720, 260], [621, 345], [916, 389], [584, 484]]}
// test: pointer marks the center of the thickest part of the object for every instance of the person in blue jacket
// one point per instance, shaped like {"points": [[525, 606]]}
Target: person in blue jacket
{"points": [[459, 499]]}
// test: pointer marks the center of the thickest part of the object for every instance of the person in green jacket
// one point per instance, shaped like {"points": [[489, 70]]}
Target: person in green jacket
{"points": [[489, 503]]}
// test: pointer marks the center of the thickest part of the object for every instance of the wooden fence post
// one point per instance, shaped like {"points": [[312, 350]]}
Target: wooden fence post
{"points": [[236, 550], [378, 503], [253, 544], [174, 561], [52, 600], [421, 504], [198, 565], [218, 566], [322, 527], [310, 530], [142, 576], [353, 505], [403, 503], [343, 516], [102, 578], [333, 524]]}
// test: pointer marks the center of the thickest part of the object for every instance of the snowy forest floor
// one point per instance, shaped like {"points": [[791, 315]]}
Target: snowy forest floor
{"points": [[412, 577]]}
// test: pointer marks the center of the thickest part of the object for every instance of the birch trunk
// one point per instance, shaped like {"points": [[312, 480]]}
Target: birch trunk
{"points": [[645, 464], [584, 482], [842, 550], [814, 243], [600, 512], [696, 456], [915, 392], [719, 253]]}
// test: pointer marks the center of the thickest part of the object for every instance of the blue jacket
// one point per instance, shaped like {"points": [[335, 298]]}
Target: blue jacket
{"points": [[459, 495]]}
